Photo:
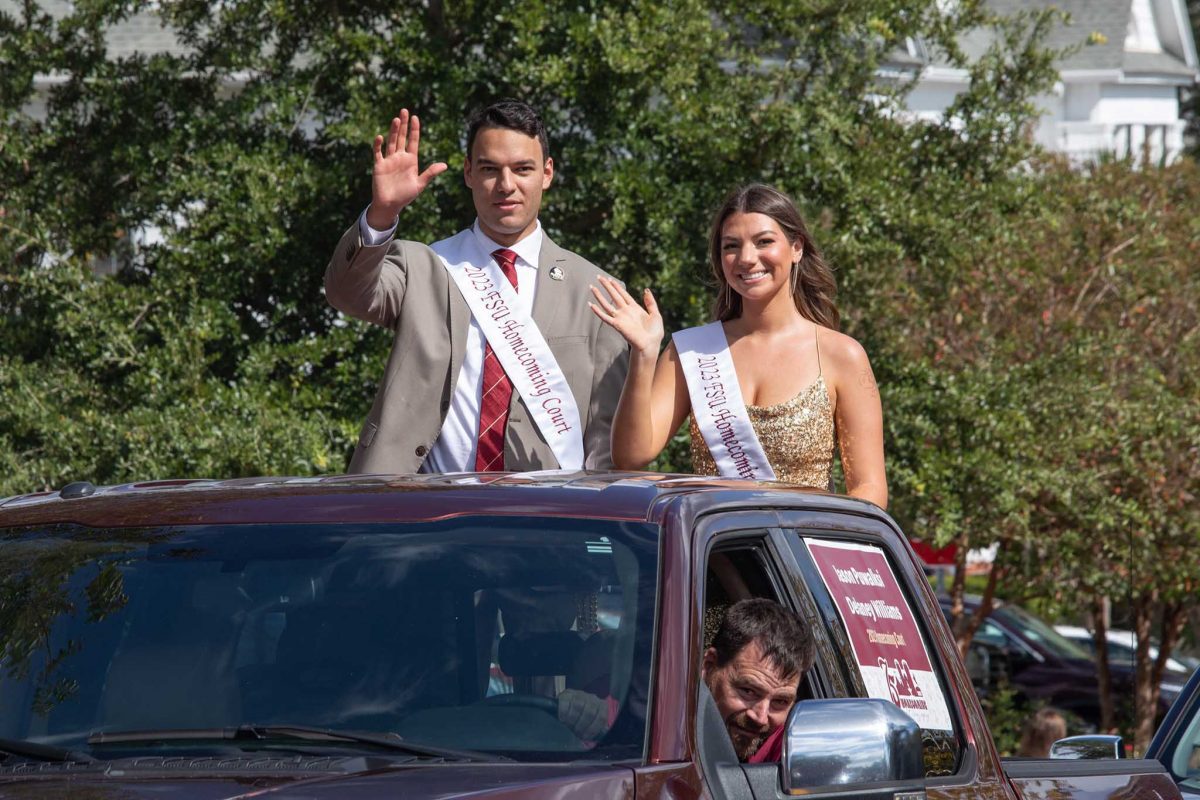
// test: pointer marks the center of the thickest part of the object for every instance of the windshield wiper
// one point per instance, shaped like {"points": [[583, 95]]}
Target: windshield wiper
{"points": [[41, 752], [258, 733]]}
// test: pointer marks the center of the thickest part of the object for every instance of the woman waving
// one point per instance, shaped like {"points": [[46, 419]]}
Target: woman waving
{"points": [[771, 386]]}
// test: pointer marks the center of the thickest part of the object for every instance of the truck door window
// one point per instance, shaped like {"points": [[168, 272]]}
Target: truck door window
{"points": [[739, 572], [868, 613], [734, 574]]}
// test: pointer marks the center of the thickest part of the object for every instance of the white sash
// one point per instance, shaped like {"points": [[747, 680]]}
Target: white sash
{"points": [[518, 344], [717, 403]]}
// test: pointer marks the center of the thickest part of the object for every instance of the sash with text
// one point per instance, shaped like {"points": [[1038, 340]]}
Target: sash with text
{"points": [[521, 349], [717, 403]]}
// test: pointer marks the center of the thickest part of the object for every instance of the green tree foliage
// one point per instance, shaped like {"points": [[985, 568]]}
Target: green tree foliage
{"points": [[213, 353], [1051, 405], [1124, 297]]}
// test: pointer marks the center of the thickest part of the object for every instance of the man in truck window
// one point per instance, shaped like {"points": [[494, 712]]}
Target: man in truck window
{"points": [[753, 670]]}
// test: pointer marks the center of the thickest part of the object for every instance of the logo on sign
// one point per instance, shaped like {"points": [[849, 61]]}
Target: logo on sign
{"points": [[902, 687]]}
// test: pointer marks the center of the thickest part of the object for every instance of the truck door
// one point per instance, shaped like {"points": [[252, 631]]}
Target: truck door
{"points": [[793, 562], [881, 621]]}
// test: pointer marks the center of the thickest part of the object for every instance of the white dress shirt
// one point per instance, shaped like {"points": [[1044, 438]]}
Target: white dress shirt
{"points": [[454, 450]]}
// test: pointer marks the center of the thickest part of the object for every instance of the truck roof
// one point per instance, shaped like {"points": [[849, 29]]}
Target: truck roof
{"points": [[629, 496]]}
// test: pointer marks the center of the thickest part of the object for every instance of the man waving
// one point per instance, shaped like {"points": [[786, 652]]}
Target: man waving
{"points": [[497, 362]]}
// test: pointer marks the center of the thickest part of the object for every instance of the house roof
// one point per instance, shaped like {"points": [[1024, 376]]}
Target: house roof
{"points": [[1094, 35], [1156, 63]]}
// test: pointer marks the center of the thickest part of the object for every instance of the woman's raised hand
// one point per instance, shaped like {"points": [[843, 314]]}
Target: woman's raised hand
{"points": [[395, 178], [641, 327]]}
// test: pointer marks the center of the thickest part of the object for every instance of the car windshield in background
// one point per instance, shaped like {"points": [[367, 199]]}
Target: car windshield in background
{"points": [[1034, 629], [465, 634]]}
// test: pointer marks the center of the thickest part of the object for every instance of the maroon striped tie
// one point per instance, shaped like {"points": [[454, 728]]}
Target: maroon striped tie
{"points": [[497, 390]]}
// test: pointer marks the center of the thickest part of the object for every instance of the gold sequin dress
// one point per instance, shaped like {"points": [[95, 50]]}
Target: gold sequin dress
{"points": [[796, 436]]}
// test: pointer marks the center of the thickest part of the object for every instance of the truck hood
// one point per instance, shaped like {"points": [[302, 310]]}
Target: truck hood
{"points": [[429, 782]]}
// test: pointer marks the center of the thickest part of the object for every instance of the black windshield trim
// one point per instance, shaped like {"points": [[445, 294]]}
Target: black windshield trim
{"points": [[23, 748], [260, 733]]}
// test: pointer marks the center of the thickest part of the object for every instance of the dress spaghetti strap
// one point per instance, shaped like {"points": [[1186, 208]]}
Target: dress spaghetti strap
{"points": [[817, 342]]}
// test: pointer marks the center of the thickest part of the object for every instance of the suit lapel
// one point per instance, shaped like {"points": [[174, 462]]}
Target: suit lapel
{"points": [[551, 295]]}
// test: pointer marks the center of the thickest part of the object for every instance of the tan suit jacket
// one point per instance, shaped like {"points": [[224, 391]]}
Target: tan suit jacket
{"points": [[404, 287]]}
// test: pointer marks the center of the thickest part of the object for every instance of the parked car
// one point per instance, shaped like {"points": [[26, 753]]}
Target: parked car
{"points": [[1121, 646], [366, 636], [1043, 666], [1176, 743]]}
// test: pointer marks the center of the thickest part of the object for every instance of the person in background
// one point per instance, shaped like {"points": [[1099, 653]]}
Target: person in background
{"points": [[1042, 729]]}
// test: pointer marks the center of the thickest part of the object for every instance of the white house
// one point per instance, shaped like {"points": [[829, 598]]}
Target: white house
{"points": [[1118, 90], [142, 32]]}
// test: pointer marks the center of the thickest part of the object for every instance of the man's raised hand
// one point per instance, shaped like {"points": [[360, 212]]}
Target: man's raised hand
{"points": [[395, 178]]}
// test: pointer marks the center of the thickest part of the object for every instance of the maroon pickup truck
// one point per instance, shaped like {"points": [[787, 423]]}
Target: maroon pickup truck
{"points": [[532, 635]]}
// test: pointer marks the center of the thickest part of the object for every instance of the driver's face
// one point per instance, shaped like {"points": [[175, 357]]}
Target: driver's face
{"points": [[752, 695]]}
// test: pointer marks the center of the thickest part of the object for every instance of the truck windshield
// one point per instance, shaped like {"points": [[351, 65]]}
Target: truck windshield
{"points": [[526, 637]]}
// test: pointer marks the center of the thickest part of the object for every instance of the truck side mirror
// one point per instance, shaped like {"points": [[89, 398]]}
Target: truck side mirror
{"points": [[1092, 746], [840, 741]]}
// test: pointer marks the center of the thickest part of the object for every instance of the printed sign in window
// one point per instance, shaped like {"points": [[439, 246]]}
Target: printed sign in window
{"points": [[887, 644]]}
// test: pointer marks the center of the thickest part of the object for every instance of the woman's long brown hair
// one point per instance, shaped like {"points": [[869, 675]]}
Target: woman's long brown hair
{"points": [[815, 288]]}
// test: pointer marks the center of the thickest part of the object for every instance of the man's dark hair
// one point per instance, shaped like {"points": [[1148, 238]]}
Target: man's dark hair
{"points": [[782, 635], [511, 114]]}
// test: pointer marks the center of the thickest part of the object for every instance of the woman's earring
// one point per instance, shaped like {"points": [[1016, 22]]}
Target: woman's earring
{"points": [[795, 276]]}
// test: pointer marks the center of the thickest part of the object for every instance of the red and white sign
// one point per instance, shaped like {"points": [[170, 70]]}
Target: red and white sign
{"points": [[888, 647], [934, 556]]}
